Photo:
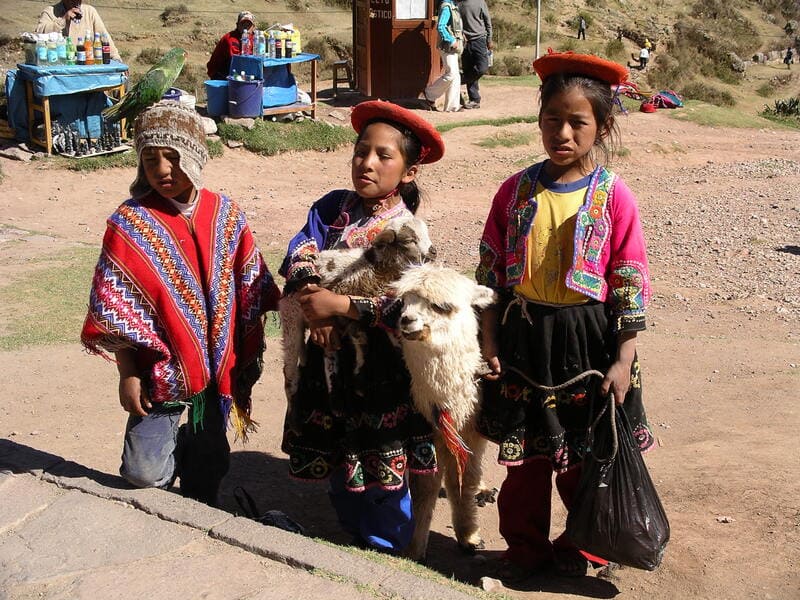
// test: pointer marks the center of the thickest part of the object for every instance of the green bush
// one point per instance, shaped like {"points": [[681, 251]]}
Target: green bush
{"points": [[150, 56], [173, 15], [788, 107], [699, 90], [508, 34], [615, 50], [515, 66]]}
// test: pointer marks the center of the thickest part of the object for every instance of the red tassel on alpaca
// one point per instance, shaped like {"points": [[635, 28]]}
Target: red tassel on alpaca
{"points": [[454, 442]]}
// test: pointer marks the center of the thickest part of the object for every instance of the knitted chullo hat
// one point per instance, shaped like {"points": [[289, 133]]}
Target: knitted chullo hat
{"points": [[172, 125]]}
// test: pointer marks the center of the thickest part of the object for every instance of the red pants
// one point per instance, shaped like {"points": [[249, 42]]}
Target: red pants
{"points": [[524, 508]]}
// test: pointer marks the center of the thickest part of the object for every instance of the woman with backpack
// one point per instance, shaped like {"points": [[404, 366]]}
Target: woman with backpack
{"points": [[450, 45]]}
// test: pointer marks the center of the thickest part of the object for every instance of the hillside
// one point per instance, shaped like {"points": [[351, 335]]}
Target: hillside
{"points": [[699, 50]]}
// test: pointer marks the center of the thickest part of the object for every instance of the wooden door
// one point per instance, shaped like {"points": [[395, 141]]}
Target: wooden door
{"points": [[361, 47]]}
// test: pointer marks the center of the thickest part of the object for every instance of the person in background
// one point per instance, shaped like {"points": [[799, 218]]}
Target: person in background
{"points": [[789, 58], [644, 56], [478, 42], [451, 44], [581, 27], [564, 249], [74, 18], [178, 298], [219, 65]]}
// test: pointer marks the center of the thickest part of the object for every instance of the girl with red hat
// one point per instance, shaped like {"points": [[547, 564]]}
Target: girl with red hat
{"points": [[563, 247], [361, 433]]}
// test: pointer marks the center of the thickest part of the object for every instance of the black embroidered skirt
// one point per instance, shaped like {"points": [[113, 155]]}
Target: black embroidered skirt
{"points": [[366, 423], [556, 345]]}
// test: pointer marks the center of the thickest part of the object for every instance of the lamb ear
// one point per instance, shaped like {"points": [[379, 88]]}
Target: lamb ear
{"points": [[482, 296], [387, 236]]}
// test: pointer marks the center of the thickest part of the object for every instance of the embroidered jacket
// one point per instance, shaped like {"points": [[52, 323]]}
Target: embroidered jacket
{"points": [[327, 227], [609, 262]]}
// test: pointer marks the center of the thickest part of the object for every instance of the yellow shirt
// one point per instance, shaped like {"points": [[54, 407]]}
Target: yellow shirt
{"points": [[551, 243]]}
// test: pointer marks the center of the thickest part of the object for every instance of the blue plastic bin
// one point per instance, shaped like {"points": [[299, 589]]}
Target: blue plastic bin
{"points": [[172, 94], [251, 65], [217, 97], [244, 98]]}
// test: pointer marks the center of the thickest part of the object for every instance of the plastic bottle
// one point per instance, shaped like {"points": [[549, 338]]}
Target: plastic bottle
{"points": [[106, 41], [271, 44], [98, 50], [262, 44], [288, 46], [490, 58], [61, 49], [278, 44], [41, 51], [70, 47], [296, 44], [87, 45], [80, 52]]}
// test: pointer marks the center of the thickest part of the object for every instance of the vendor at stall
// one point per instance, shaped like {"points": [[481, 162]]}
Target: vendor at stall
{"points": [[74, 18], [219, 64]]}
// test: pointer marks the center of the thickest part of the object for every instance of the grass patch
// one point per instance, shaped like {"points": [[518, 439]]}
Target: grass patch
{"points": [[490, 122], [718, 116], [506, 139], [531, 81], [270, 138], [409, 566], [47, 305]]}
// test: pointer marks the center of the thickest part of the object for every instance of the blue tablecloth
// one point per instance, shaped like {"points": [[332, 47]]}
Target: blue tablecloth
{"points": [[275, 62], [69, 89], [66, 79]]}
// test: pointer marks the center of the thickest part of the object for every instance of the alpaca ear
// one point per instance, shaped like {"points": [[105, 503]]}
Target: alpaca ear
{"points": [[387, 236], [482, 296]]}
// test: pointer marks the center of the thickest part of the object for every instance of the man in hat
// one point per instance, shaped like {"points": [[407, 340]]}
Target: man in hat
{"points": [[219, 65]]}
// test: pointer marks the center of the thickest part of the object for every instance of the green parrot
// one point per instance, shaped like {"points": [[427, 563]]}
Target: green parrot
{"points": [[149, 88]]}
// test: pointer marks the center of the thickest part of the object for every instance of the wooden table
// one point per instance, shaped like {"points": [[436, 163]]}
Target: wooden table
{"points": [[44, 82], [303, 57]]}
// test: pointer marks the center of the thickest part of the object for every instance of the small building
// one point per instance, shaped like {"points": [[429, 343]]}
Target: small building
{"points": [[394, 47]]}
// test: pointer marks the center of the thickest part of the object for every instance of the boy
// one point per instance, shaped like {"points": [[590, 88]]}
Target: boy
{"points": [[178, 296]]}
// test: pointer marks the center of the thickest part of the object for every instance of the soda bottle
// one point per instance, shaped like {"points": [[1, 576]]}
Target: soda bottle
{"points": [[106, 48], [80, 52], [70, 51], [98, 50], [41, 51], [271, 44], [278, 45], [87, 45], [61, 49], [288, 46]]}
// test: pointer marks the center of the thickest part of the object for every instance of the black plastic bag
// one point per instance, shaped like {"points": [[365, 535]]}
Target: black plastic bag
{"points": [[271, 518], [616, 513]]}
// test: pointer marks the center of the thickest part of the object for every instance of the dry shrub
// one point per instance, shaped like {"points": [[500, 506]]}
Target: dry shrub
{"points": [[700, 90], [174, 15]]}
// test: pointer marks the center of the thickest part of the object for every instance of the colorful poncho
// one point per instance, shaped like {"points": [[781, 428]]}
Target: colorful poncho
{"points": [[188, 294]]}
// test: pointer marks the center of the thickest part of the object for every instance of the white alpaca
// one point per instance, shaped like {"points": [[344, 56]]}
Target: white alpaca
{"points": [[439, 330], [357, 272]]}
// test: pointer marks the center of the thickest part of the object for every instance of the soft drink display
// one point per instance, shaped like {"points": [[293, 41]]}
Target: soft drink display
{"points": [[106, 48], [80, 52], [41, 51], [89, 48], [70, 50], [61, 50], [278, 45], [97, 50]]}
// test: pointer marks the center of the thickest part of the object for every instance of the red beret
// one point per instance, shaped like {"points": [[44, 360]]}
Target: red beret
{"points": [[579, 64], [430, 140]]}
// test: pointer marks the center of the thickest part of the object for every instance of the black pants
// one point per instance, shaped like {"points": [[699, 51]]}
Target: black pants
{"points": [[474, 63]]}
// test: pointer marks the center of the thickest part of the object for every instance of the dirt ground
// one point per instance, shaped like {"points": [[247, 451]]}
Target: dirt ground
{"points": [[720, 356]]}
